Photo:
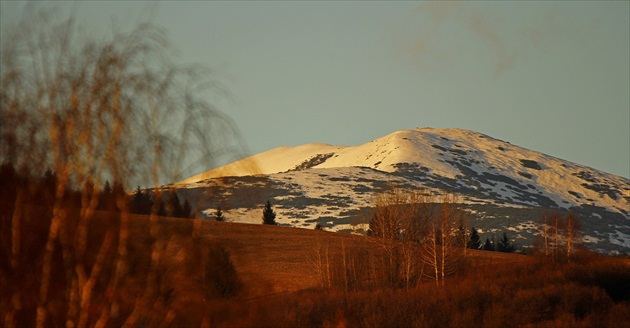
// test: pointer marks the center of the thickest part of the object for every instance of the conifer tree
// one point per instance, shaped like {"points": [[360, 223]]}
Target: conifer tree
{"points": [[218, 215], [505, 244], [173, 206], [269, 217], [136, 199], [488, 245], [186, 210], [474, 242], [141, 202], [108, 199]]}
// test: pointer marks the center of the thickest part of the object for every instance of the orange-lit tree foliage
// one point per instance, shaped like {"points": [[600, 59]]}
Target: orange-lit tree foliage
{"points": [[94, 109]]}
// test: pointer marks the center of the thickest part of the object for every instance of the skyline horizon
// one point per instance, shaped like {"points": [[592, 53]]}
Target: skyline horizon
{"points": [[419, 129], [550, 77]]}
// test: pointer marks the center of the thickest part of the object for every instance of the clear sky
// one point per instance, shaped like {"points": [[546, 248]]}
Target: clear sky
{"points": [[549, 76]]}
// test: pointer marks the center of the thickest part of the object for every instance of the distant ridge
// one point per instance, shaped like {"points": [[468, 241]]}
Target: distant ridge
{"points": [[324, 183]]}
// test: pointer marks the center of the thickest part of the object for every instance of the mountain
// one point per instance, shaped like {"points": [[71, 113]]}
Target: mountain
{"points": [[503, 186]]}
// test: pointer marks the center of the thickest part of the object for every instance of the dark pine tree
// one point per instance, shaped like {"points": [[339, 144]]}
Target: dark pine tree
{"points": [[107, 198], [141, 202], [269, 217], [474, 242], [173, 206], [135, 205], [218, 215], [505, 244], [488, 245], [186, 210]]}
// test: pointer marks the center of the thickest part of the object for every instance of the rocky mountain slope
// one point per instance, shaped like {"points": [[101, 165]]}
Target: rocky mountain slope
{"points": [[504, 187]]}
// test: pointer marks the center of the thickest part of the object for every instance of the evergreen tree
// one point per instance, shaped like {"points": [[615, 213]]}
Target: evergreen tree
{"points": [[269, 217], [135, 206], [488, 245], [141, 202], [505, 244], [218, 215], [474, 242], [173, 206], [186, 210], [107, 199], [107, 189]]}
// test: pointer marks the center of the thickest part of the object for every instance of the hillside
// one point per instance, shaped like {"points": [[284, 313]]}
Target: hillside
{"points": [[184, 272], [272, 259], [504, 186]]}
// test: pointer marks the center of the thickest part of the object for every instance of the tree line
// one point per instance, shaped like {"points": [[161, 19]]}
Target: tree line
{"points": [[426, 237], [42, 189], [504, 244]]}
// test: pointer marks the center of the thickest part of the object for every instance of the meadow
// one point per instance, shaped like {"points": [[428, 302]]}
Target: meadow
{"points": [[191, 272]]}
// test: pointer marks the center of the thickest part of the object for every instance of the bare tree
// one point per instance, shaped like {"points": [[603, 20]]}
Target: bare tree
{"points": [[441, 246], [399, 221], [559, 235], [545, 232], [572, 231], [319, 262], [94, 109]]}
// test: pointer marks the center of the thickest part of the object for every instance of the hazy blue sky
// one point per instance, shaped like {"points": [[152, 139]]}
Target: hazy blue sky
{"points": [[549, 76]]}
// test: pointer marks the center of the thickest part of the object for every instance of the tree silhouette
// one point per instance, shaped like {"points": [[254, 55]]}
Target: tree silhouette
{"points": [[141, 202], [91, 108], [488, 245], [186, 210], [505, 245], [474, 242], [173, 206], [269, 217], [107, 198], [218, 215]]}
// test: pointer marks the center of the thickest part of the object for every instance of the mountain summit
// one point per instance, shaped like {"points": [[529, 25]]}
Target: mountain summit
{"points": [[338, 180]]}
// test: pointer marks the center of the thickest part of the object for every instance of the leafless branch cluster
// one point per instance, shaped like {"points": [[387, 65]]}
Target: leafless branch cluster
{"points": [[558, 235], [95, 109], [421, 234]]}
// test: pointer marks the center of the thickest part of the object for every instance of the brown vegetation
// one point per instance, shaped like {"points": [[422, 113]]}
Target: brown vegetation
{"points": [[70, 257], [229, 274]]}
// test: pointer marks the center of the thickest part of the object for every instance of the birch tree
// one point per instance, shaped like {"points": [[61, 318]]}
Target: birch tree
{"points": [[559, 234], [91, 109], [399, 220], [441, 249]]}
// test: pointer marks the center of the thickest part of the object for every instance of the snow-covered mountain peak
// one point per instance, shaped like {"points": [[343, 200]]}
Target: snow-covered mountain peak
{"points": [[325, 183]]}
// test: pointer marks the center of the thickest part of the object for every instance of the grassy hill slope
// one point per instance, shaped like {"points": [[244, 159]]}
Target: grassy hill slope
{"points": [[182, 272]]}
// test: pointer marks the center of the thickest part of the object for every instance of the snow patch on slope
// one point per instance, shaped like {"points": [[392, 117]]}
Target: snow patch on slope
{"points": [[331, 184]]}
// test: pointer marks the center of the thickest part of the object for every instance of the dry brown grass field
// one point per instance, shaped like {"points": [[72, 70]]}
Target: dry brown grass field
{"points": [[274, 259], [207, 273]]}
